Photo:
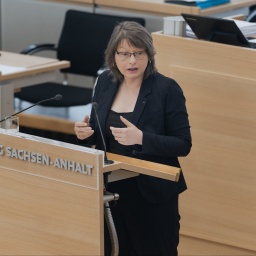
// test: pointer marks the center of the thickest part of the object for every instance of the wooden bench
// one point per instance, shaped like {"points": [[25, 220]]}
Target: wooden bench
{"points": [[48, 127]]}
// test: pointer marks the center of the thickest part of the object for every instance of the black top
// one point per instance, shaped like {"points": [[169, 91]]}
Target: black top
{"points": [[114, 120]]}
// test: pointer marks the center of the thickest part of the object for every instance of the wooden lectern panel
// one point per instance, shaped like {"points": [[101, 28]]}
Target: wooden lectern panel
{"points": [[49, 209], [47, 217]]}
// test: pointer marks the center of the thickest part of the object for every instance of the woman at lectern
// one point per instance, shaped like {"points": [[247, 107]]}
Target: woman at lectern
{"points": [[141, 114]]}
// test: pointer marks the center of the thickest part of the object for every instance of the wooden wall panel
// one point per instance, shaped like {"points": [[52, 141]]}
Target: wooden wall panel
{"points": [[220, 203]]}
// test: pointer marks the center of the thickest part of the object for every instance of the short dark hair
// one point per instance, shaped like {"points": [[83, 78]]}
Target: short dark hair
{"points": [[137, 36]]}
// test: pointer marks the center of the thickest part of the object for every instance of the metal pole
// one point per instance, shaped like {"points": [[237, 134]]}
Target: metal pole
{"points": [[110, 223]]}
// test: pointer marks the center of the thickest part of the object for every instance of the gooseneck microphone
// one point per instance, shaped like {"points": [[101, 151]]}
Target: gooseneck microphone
{"points": [[56, 97], [106, 161]]}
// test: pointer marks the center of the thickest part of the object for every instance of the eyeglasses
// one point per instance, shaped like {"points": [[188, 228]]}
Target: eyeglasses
{"points": [[127, 55]]}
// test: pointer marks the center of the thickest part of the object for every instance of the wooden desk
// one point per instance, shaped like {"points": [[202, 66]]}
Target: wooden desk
{"points": [[79, 2], [35, 70], [219, 83], [159, 7]]}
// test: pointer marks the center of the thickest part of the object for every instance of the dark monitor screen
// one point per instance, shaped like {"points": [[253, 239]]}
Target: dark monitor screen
{"points": [[216, 30]]}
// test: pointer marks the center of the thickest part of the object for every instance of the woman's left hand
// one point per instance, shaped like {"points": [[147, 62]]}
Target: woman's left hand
{"points": [[129, 135]]}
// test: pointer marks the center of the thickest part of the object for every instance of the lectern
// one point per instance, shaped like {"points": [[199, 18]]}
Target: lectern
{"points": [[51, 195]]}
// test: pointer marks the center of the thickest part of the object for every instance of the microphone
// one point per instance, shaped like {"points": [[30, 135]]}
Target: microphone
{"points": [[56, 97], [106, 161]]}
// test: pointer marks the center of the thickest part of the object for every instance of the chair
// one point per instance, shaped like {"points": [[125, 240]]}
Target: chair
{"points": [[83, 40]]}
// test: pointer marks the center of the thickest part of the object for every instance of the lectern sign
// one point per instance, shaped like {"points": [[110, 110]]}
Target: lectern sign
{"points": [[42, 159], [52, 159]]}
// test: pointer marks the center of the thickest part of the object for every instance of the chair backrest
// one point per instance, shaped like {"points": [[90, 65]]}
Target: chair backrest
{"points": [[84, 38], [252, 16]]}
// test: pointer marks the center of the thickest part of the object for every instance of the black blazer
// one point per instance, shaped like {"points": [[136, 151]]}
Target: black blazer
{"points": [[160, 113]]}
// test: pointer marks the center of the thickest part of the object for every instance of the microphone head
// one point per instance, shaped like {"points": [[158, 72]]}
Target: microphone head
{"points": [[58, 97], [94, 104]]}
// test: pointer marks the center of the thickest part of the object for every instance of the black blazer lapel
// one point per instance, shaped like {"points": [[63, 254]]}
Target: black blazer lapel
{"points": [[146, 88], [105, 106]]}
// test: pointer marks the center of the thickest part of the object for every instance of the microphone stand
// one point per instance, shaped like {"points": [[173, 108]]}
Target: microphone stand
{"points": [[57, 97], [106, 160], [108, 196]]}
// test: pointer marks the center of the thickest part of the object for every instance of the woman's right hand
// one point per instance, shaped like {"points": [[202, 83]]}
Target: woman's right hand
{"points": [[83, 129]]}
